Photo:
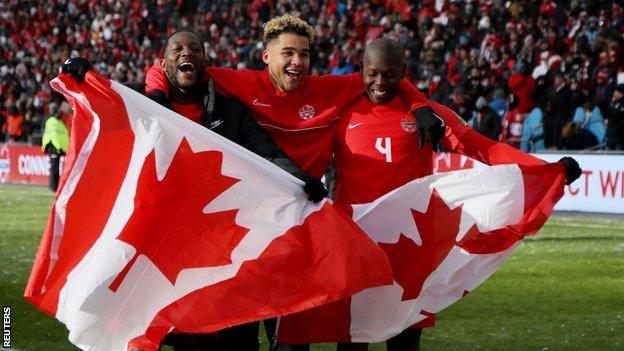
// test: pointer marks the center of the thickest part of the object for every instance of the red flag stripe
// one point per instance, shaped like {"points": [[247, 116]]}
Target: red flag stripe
{"points": [[89, 213]]}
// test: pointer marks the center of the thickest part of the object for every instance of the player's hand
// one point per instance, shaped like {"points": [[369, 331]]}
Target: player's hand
{"points": [[315, 189], [77, 67], [572, 168], [431, 125]]}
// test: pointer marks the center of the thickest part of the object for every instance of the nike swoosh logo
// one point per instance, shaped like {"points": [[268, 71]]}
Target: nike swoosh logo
{"points": [[215, 124], [351, 126], [258, 103]]}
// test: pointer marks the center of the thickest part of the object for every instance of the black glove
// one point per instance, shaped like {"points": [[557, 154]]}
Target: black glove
{"points": [[572, 168], [315, 189], [77, 67], [430, 124]]}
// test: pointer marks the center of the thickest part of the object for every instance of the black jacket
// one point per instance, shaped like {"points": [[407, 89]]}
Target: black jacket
{"points": [[615, 125], [489, 124]]}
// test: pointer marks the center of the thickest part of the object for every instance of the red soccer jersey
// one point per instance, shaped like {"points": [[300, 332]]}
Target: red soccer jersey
{"points": [[376, 149], [193, 111], [300, 122]]}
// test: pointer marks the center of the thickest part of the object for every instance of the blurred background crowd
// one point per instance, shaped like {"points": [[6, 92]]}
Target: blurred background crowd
{"points": [[535, 74]]}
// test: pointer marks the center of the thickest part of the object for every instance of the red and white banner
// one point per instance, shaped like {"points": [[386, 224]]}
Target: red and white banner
{"points": [[444, 235], [24, 164], [161, 224]]}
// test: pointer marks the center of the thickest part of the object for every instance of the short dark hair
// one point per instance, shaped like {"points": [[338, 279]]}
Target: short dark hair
{"points": [[184, 29]]}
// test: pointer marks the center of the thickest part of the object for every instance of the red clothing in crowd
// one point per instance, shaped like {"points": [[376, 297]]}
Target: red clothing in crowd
{"points": [[513, 126], [14, 126], [522, 87]]}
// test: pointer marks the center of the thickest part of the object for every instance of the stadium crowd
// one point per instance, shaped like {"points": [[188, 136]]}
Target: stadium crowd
{"points": [[535, 74]]}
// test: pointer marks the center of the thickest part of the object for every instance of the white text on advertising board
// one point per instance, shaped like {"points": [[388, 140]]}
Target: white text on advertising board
{"points": [[33, 165]]}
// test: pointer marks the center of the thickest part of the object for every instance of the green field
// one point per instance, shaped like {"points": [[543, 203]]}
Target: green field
{"points": [[562, 290]]}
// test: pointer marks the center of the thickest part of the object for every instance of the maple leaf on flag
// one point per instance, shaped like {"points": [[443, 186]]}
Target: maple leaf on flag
{"points": [[438, 228], [168, 225], [412, 264]]}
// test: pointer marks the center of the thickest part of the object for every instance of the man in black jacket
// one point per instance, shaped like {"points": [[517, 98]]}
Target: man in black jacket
{"points": [[487, 121], [560, 111], [615, 120], [190, 95]]}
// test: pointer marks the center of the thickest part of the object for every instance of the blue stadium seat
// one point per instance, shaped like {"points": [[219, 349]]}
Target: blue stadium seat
{"points": [[596, 124], [533, 132], [593, 123]]}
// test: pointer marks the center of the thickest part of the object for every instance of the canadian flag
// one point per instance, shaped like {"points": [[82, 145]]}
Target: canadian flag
{"points": [[444, 235], [161, 224]]}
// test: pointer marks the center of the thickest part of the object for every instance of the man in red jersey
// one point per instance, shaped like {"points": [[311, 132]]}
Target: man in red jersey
{"points": [[379, 147], [296, 109]]}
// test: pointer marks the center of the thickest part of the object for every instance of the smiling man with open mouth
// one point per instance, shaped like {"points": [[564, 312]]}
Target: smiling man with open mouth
{"points": [[183, 61], [288, 58]]}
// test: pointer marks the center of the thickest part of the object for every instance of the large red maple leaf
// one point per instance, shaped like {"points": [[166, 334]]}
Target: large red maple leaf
{"points": [[168, 225], [438, 228], [412, 264]]}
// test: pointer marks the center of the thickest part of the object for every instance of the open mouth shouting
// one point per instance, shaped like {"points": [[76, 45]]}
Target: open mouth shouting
{"points": [[292, 78], [294, 74], [187, 73]]}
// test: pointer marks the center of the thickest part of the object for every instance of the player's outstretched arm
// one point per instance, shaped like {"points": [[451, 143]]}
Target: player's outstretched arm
{"points": [[462, 139]]}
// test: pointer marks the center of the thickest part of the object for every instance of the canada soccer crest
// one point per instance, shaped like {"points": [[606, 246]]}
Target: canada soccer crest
{"points": [[306, 112], [408, 124]]}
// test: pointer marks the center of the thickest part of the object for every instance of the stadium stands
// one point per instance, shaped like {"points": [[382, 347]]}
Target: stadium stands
{"points": [[456, 51]]}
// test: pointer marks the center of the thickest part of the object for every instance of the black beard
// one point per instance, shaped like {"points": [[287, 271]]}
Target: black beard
{"points": [[173, 79]]}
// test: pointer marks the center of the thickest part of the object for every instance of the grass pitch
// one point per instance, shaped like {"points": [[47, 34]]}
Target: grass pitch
{"points": [[561, 290]]}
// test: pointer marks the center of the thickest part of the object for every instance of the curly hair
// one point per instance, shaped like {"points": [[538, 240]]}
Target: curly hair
{"points": [[287, 24]]}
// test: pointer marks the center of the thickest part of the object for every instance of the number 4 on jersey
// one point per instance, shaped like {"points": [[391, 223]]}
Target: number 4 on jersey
{"points": [[384, 145]]}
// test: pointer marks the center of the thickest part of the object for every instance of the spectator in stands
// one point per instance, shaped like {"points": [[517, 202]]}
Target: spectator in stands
{"points": [[2, 123], [487, 122], [575, 137], [602, 89], [460, 103], [499, 103], [14, 126], [54, 143], [513, 123], [578, 95], [452, 36], [521, 84], [615, 118], [560, 111]]}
